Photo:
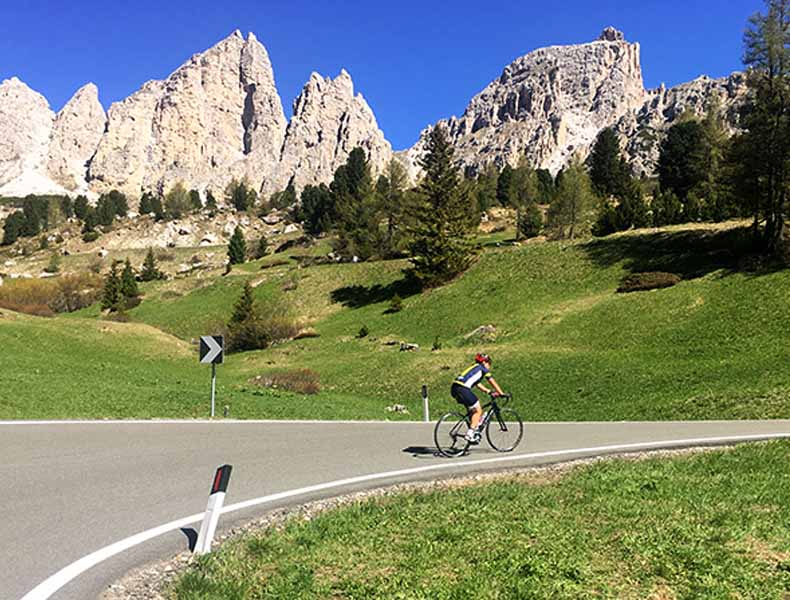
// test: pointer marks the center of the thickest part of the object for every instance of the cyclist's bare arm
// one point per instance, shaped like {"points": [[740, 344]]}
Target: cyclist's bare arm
{"points": [[495, 386]]}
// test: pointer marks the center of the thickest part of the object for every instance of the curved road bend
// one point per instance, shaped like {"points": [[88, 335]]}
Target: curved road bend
{"points": [[72, 488]]}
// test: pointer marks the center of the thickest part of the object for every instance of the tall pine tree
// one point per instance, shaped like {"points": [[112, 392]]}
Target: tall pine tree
{"points": [[237, 248], [441, 237]]}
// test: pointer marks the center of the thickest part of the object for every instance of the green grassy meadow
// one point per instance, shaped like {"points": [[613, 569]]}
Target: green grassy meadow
{"points": [[566, 345], [700, 526]]}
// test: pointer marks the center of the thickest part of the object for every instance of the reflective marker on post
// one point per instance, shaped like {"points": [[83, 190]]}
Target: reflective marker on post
{"points": [[215, 501], [426, 414]]}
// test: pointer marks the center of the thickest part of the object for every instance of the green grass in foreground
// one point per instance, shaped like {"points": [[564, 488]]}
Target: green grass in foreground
{"points": [[712, 525]]}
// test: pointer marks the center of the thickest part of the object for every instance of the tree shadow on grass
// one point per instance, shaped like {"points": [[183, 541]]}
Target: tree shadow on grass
{"points": [[690, 253], [357, 296]]}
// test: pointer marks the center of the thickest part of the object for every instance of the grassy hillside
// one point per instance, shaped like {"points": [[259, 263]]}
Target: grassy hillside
{"points": [[567, 346], [706, 526]]}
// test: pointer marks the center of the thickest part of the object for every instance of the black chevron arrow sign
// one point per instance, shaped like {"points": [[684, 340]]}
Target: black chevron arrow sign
{"points": [[211, 349]]}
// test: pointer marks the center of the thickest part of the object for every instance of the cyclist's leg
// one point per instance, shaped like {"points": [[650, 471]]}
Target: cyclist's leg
{"points": [[463, 395]]}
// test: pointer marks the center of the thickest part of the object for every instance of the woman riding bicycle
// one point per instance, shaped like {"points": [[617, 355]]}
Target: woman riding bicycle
{"points": [[462, 388]]}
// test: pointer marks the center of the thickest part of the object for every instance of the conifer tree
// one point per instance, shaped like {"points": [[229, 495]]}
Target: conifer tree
{"points": [[13, 227], [81, 207], [194, 201], [237, 248], [128, 285], [607, 170], [764, 148], [245, 306], [570, 214], [111, 296], [211, 201], [150, 272], [441, 242], [504, 185], [146, 203]]}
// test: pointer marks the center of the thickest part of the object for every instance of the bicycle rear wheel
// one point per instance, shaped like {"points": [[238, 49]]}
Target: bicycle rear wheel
{"points": [[448, 435], [504, 430]]}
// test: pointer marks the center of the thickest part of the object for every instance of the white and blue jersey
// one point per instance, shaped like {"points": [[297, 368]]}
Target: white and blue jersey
{"points": [[472, 376]]}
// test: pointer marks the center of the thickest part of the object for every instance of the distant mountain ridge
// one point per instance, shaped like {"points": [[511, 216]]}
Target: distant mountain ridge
{"points": [[219, 116]]}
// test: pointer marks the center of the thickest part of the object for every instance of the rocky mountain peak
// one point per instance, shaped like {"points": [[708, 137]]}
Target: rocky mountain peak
{"points": [[548, 105], [76, 133], [610, 34], [25, 126], [329, 121], [216, 117]]}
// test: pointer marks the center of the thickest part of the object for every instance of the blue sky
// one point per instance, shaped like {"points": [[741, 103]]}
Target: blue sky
{"points": [[414, 62]]}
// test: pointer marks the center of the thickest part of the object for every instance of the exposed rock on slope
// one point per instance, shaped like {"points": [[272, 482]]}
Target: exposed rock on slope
{"points": [[76, 132], [217, 116], [25, 127], [550, 104], [328, 122], [643, 129]]}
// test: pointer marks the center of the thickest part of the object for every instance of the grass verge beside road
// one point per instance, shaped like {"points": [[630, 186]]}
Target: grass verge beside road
{"points": [[710, 525]]}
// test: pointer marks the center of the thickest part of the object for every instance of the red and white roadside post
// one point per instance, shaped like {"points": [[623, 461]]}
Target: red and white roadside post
{"points": [[215, 501]]}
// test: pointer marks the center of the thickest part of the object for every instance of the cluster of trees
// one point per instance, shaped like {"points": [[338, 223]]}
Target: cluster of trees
{"points": [[176, 203], [369, 217], [761, 154], [41, 213], [120, 289], [702, 174]]}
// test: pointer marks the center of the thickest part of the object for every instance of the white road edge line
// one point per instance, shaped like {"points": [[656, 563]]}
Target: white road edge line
{"points": [[52, 584]]}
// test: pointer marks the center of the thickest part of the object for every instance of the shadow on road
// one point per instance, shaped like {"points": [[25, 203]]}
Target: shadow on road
{"points": [[421, 451], [191, 536]]}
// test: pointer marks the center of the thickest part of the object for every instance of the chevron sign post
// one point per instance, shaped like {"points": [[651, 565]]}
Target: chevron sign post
{"points": [[212, 351]]}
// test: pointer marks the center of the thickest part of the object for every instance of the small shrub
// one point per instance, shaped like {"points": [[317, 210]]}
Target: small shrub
{"points": [[54, 264], [37, 310], [292, 282], [170, 295], [300, 381], [647, 281], [363, 332], [437, 344], [119, 316], [396, 304], [90, 236], [43, 243], [308, 332], [275, 263]]}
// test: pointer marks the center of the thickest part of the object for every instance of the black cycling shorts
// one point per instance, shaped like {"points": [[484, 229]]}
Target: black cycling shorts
{"points": [[463, 395]]}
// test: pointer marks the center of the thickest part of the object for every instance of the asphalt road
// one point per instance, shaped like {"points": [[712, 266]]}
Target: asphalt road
{"points": [[70, 489]]}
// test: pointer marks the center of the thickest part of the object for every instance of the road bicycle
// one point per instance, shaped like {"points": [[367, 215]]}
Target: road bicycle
{"points": [[503, 428]]}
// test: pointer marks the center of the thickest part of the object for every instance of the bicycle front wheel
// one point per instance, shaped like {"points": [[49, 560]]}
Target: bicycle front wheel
{"points": [[449, 434], [504, 430]]}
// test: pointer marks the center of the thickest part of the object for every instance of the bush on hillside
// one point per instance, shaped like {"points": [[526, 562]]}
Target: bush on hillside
{"points": [[90, 236], [44, 297], [299, 381], [647, 281], [255, 327]]}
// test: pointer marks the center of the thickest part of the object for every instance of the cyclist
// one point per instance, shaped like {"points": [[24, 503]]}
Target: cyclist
{"points": [[462, 388]]}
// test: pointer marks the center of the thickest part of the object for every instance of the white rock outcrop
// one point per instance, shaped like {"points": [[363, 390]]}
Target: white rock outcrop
{"points": [[549, 104], [328, 122], [76, 133], [217, 116], [25, 127]]}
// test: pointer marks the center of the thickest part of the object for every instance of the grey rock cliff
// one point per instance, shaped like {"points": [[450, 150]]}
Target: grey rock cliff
{"points": [[217, 116], [25, 127], [328, 122], [549, 104], [642, 130], [76, 132]]}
